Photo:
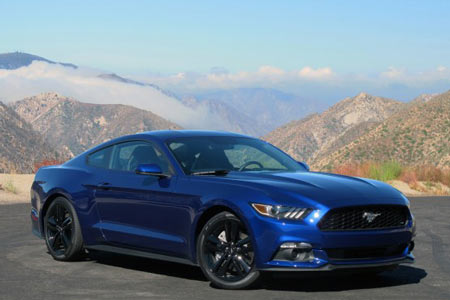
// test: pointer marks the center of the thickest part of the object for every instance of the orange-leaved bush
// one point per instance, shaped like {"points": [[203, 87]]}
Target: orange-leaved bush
{"points": [[46, 162]]}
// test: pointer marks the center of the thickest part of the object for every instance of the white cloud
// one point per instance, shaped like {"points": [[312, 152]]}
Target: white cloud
{"points": [[321, 83], [271, 71], [265, 76], [392, 73], [84, 85], [320, 73], [414, 78]]}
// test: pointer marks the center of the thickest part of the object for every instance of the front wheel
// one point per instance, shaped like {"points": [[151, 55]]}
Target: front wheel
{"points": [[62, 231], [226, 254]]}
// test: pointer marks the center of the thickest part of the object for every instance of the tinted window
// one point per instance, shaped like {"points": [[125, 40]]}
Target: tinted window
{"points": [[100, 158], [127, 156], [240, 154], [230, 153]]}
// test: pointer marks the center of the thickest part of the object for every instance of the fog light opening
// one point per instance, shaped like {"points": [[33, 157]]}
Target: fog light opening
{"points": [[301, 252]]}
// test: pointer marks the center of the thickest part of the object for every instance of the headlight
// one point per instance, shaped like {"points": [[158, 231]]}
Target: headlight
{"points": [[281, 212]]}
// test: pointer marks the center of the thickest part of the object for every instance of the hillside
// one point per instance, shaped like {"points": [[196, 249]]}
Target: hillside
{"points": [[318, 135], [76, 126], [20, 146], [15, 60], [418, 135]]}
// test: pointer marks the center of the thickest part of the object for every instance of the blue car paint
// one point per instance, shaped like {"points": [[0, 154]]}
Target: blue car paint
{"points": [[160, 215]]}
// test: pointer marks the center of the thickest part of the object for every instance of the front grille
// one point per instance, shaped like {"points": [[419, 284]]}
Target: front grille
{"points": [[365, 218], [365, 253]]}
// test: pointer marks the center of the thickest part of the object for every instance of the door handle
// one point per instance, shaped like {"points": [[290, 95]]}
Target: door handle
{"points": [[104, 186]]}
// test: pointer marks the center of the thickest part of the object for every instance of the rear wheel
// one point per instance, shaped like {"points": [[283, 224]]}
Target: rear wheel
{"points": [[225, 253], [62, 231]]}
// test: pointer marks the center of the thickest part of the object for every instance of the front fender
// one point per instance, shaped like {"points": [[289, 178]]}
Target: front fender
{"points": [[244, 212]]}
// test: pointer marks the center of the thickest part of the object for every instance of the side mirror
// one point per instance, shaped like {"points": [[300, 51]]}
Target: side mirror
{"points": [[150, 169], [304, 165]]}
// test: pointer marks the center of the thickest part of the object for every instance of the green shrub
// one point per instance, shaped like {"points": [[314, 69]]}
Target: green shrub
{"points": [[386, 171]]}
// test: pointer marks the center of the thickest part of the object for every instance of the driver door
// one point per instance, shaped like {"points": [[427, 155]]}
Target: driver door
{"points": [[141, 211]]}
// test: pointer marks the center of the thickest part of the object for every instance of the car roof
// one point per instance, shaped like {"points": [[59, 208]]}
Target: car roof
{"points": [[162, 136], [170, 134]]}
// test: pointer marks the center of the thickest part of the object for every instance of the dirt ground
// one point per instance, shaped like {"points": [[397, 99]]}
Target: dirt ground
{"points": [[21, 183]]}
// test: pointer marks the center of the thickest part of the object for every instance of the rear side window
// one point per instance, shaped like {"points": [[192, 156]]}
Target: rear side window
{"points": [[128, 156], [100, 158]]}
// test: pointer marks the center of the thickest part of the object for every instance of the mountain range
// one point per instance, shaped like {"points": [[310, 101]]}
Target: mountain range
{"points": [[367, 128], [318, 135], [53, 126], [252, 111], [419, 134], [73, 126]]}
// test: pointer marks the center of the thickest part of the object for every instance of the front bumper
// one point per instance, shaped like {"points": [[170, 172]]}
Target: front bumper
{"points": [[321, 263], [409, 259], [270, 234]]}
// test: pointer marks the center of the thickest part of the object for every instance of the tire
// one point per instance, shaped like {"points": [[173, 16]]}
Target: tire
{"points": [[62, 231], [225, 253]]}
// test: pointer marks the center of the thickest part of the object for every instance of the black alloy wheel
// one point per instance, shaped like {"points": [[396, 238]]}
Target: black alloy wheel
{"points": [[225, 253], [62, 231]]}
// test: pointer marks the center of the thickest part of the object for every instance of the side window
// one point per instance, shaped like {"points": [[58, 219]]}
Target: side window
{"points": [[100, 158], [127, 156]]}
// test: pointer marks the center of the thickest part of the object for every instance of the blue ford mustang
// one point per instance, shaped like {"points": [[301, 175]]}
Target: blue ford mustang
{"points": [[234, 205]]}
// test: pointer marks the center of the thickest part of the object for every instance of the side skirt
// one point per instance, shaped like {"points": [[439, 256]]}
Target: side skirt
{"points": [[133, 252]]}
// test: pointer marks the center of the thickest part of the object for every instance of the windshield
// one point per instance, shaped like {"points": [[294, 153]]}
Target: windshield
{"points": [[225, 153]]}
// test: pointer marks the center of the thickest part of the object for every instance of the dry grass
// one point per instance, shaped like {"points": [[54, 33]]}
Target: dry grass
{"points": [[16, 188], [9, 186], [425, 179], [381, 171]]}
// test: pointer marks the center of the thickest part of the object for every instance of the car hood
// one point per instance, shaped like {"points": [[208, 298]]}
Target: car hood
{"points": [[328, 189]]}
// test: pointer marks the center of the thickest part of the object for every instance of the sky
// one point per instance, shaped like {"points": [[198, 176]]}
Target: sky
{"points": [[317, 48]]}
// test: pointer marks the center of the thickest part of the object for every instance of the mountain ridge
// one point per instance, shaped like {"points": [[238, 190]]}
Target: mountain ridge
{"points": [[15, 60], [313, 137], [76, 126], [416, 135]]}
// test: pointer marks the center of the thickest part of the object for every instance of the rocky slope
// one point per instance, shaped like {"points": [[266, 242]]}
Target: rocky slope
{"points": [[424, 98], [318, 135], [417, 135], [76, 126], [20, 146]]}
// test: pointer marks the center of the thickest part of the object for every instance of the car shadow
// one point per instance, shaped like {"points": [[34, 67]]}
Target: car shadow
{"points": [[343, 281], [147, 265], [287, 281]]}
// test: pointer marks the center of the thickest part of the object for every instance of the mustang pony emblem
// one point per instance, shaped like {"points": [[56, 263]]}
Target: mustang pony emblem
{"points": [[369, 216]]}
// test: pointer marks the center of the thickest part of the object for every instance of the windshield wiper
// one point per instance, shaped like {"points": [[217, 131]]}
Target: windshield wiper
{"points": [[212, 172]]}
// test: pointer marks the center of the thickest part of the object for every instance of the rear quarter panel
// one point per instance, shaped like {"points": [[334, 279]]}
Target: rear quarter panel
{"points": [[72, 183]]}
